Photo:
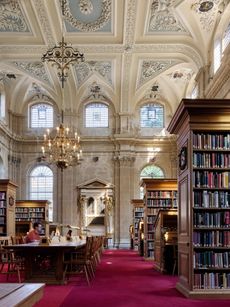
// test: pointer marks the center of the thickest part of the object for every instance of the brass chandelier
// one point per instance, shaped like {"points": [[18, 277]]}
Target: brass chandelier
{"points": [[61, 147]]}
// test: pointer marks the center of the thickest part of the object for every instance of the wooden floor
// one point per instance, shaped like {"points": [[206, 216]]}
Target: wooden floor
{"points": [[23, 295]]}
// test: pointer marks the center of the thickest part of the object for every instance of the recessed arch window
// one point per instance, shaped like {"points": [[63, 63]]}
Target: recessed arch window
{"points": [[96, 115], [226, 38], [2, 105], [220, 44], [150, 171], [41, 186], [41, 115], [152, 116]]}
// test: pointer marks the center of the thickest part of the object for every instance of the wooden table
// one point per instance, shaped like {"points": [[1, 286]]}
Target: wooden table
{"points": [[23, 295], [44, 263]]}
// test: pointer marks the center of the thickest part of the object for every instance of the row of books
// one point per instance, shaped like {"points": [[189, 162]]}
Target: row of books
{"points": [[137, 209], [150, 245], [150, 227], [2, 220], [211, 259], [150, 236], [2, 195], [2, 211], [151, 219], [212, 280], [33, 215], [206, 179], [214, 238], [162, 203], [39, 209], [210, 199], [211, 219], [2, 204], [211, 160], [162, 194], [211, 141]]}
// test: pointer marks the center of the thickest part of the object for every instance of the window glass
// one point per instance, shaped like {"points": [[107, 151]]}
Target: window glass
{"points": [[41, 116], [217, 55], [226, 38], [152, 116], [96, 115], [150, 171], [41, 186], [2, 105]]}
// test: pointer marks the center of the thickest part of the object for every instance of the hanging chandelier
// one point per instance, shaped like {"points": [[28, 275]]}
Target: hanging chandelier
{"points": [[63, 55], [61, 147]]}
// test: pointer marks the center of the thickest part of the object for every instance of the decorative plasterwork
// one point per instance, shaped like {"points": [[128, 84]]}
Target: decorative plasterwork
{"points": [[181, 75], [207, 19], [89, 26], [44, 23], [150, 69], [11, 17], [35, 69], [130, 25], [163, 18], [86, 69]]}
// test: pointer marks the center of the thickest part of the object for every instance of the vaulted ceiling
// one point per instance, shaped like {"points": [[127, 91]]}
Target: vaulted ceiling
{"points": [[133, 49]]}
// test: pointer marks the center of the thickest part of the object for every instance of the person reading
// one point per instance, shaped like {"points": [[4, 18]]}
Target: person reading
{"points": [[34, 233]]}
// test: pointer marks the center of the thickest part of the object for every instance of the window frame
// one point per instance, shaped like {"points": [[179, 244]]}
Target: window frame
{"points": [[87, 106], [153, 104], [49, 123]]}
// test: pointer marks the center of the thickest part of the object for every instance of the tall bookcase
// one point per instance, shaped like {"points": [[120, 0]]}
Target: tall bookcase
{"points": [[29, 211], [203, 130], [138, 215], [158, 194], [165, 245], [7, 207]]}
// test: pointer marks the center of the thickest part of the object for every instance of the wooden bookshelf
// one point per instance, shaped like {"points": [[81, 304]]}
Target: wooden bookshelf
{"points": [[158, 194], [202, 127], [165, 243], [138, 215], [29, 211], [7, 207]]}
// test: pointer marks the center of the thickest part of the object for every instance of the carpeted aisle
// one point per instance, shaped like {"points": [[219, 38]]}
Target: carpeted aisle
{"points": [[123, 279]]}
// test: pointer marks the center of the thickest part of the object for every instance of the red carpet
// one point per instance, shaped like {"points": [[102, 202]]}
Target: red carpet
{"points": [[123, 279]]}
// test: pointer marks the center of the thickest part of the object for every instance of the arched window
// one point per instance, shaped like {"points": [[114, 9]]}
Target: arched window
{"points": [[2, 105], [220, 44], [96, 115], [41, 116], [150, 171], [152, 116], [41, 186]]}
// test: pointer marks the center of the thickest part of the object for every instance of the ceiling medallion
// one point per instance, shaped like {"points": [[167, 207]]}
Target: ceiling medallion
{"points": [[206, 6]]}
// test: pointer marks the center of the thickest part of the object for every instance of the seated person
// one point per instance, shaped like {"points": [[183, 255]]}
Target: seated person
{"points": [[34, 233], [69, 235]]}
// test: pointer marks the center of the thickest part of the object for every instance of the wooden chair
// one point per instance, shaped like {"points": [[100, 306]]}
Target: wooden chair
{"points": [[80, 262], [9, 262]]}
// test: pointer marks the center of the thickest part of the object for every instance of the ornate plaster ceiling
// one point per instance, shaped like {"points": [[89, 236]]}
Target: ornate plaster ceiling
{"points": [[129, 47]]}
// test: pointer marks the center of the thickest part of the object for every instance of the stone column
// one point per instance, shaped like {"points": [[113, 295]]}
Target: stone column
{"points": [[124, 180]]}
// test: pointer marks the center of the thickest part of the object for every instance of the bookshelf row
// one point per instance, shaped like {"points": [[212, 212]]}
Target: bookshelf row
{"points": [[210, 179], [211, 199], [161, 194], [214, 281], [211, 219], [220, 141], [211, 259], [214, 238], [158, 203], [211, 160]]}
